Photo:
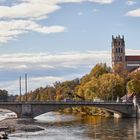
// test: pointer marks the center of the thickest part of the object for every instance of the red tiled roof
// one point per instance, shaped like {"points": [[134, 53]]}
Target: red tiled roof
{"points": [[132, 58]]}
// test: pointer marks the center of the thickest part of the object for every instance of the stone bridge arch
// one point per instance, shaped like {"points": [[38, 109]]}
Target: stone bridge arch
{"points": [[34, 109], [14, 107], [125, 110]]}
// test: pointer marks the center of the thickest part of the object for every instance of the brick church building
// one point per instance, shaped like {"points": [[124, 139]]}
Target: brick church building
{"points": [[127, 62]]}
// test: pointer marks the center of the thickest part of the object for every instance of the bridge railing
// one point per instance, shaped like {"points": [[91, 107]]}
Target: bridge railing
{"points": [[72, 102], [67, 102]]}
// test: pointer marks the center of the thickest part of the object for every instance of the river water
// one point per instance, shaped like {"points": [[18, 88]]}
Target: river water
{"points": [[71, 127]]}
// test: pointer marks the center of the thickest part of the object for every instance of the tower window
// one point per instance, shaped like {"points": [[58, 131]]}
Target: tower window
{"points": [[119, 43], [121, 50], [116, 50]]}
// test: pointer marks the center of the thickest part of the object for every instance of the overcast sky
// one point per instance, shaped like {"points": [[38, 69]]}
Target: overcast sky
{"points": [[57, 40]]}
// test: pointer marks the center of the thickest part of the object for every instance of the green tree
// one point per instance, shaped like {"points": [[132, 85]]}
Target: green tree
{"points": [[3, 95]]}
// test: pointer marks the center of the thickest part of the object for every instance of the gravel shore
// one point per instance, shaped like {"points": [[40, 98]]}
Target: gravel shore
{"points": [[20, 125]]}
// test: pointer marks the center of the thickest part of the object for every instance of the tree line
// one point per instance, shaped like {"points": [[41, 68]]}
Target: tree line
{"points": [[101, 83]]}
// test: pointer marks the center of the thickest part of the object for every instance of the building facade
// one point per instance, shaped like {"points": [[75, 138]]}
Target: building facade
{"points": [[119, 58]]}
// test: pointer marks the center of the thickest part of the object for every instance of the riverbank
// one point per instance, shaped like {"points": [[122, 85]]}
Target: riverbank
{"points": [[64, 127], [15, 125], [20, 125]]}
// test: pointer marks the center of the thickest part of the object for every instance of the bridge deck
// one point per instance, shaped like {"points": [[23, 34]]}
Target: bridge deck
{"points": [[68, 102], [34, 108]]}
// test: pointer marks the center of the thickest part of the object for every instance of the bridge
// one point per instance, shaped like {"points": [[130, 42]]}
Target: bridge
{"points": [[33, 109]]}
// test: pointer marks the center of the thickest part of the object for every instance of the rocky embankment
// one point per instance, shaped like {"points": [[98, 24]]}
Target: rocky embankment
{"points": [[20, 125]]}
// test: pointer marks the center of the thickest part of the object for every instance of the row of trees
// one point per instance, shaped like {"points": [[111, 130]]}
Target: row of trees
{"points": [[99, 83], [59, 91], [3, 95]]}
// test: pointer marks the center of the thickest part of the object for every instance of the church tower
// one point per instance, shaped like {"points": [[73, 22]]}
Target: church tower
{"points": [[118, 52]]}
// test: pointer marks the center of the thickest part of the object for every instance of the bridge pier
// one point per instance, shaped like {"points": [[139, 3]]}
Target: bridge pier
{"points": [[133, 115], [26, 111], [136, 107], [117, 115]]}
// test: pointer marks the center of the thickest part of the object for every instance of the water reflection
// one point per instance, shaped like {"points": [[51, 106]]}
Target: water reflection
{"points": [[54, 117], [69, 127]]}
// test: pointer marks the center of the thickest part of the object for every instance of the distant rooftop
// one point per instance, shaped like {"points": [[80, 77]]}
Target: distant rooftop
{"points": [[132, 58]]}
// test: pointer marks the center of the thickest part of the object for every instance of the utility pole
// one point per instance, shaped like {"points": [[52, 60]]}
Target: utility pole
{"points": [[20, 88], [26, 87]]}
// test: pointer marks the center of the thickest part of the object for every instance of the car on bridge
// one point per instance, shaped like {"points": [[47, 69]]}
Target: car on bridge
{"points": [[98, 100], [67, 100]]}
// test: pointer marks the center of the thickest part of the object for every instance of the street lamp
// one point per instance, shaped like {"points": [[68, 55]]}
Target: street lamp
{"points": [[20, 88]]}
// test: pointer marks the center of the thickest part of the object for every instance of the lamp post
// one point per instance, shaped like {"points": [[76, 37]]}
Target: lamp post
{"points": [[112, 91], [20, 88], [113, 86], [26, 97]]}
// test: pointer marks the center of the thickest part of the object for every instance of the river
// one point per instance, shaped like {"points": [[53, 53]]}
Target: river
{"points": [[71, 127]]}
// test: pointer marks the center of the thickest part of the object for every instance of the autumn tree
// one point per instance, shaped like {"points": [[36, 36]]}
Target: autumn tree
{"points": [[110, 86], [133, 86], [89, 90], [99, 69], [65, 89]]}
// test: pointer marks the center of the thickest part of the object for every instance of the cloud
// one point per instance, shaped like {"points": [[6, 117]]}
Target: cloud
{"points": [[28, 9], [131, 2], [102, 1], [46, 68], [33, 83], [132, 52], [52, 61], [21, 16], [38, 9], [11, 29], [80, 13], [48, 61], [134, 13], [95, 10]]}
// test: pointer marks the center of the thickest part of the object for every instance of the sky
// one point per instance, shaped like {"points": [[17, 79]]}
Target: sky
{"points": [[58, 40]]}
